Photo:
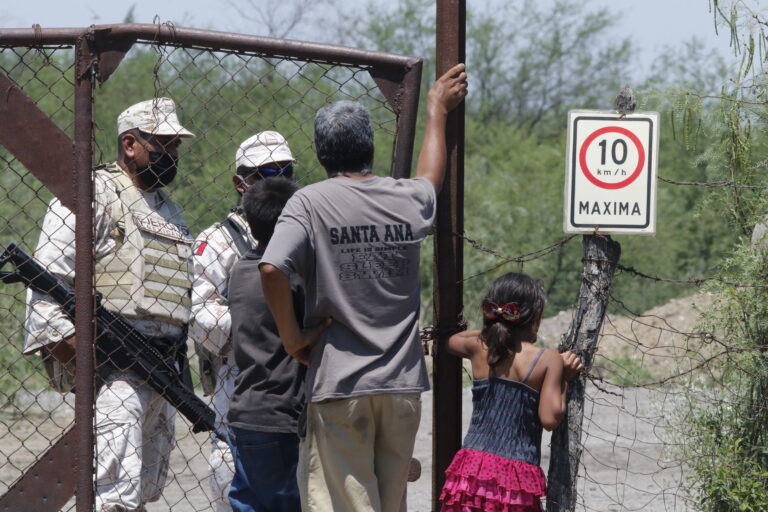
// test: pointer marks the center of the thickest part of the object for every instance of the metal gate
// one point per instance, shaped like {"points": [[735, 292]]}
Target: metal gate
{"points": [[60, 93]]}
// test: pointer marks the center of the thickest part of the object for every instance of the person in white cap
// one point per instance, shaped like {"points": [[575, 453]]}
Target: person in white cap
{"points": [[142, 251], [216, 250]]}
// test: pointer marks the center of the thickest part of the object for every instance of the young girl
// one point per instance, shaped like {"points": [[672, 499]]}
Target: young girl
{"points": [[518, 389]]}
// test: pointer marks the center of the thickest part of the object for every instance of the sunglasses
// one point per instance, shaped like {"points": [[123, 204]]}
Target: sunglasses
{"points": [[269, 172], [509, 311]]}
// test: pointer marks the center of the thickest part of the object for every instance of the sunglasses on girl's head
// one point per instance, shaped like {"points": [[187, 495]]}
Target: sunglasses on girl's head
{"points": [[509, 311]]}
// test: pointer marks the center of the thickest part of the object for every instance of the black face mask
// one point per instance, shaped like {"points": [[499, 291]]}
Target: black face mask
{"points": [[161, 170]]}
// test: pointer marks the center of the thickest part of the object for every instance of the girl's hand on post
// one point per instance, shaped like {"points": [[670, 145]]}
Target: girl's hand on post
{"points": [[572, 365]]}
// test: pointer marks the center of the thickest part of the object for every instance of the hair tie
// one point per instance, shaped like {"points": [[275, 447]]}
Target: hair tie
{"points": [[509, 311]]}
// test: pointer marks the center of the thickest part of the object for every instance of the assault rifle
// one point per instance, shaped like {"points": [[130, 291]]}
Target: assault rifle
{"points": [[116, 339]]}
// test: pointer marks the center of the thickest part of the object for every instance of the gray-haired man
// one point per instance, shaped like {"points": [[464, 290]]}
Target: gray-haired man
{"points": [[354, 239]]}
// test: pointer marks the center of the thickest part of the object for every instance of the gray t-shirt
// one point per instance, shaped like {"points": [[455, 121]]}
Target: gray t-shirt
{"points": [[356, 246]]}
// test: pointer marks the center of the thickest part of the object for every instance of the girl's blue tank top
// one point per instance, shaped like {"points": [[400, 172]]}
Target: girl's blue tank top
{"points": [[505, 418]]}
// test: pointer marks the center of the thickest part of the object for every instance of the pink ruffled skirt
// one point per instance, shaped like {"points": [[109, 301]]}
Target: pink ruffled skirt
{"points": [[479, 481]]}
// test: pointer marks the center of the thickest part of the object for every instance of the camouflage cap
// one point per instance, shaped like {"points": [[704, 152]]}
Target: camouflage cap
{"points": [[263, 148], [156, 117]]}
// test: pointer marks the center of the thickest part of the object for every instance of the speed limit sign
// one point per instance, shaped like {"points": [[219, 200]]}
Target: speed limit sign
{"points": [[610, 172]]}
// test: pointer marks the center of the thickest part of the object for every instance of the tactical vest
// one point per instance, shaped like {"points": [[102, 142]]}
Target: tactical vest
{"points": [[238, 232], [149, 274], [238, 235]]}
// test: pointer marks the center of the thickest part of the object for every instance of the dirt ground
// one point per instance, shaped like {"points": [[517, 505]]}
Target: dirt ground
{"points": [[628, 461], [657, 341]]}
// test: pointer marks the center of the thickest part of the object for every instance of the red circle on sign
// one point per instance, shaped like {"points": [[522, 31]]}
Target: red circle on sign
{"points": [[618, 184]]}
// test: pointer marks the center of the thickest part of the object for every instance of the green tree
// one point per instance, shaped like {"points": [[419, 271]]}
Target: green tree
{"points": [[725, 439]]}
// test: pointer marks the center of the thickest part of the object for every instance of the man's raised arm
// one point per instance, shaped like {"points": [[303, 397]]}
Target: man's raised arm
{"points": [[445, 94]]}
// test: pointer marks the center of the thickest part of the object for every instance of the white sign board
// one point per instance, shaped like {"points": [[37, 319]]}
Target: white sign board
{"points": [[610, 172]]}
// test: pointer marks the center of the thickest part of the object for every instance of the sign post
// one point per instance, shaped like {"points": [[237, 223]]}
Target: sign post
{"points": [[610, 172]]}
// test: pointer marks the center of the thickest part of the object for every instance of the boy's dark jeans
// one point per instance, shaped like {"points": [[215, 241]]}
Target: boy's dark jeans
{"points": [[265, 471]]}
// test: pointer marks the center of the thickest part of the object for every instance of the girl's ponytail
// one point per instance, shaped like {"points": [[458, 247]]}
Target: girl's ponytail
{"points": [[498, 338]]}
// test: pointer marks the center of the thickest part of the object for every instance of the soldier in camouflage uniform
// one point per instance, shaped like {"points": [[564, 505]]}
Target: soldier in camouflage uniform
{"points": [[216, 250], [142, 270]]}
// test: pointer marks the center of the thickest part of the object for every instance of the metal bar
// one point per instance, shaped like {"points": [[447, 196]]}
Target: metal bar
{"points": [[25, 131], [216, 40], [109, 54], [84, 296], [400, 76], [449, 261], [406, 122], [39, 36], [401, 89], [47, 485]]}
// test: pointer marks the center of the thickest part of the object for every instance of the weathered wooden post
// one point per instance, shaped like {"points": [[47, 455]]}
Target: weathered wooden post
{"points": [[601, 254]]}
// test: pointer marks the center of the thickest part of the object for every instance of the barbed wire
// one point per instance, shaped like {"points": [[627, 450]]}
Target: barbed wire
{"points": [[695, 281], [523, 258], [704, 358], [712, 184]]}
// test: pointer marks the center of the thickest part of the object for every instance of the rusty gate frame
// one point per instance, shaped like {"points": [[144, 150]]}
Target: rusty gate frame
{"points": [[65, 169], [450, 46]]}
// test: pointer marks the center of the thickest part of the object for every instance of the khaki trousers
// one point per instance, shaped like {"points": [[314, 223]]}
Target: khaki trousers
{"points": [[134, 438], [357, 451]]}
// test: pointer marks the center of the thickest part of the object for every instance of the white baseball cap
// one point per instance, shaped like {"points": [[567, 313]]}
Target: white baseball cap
{"points": [[156, 117], [263, 148]]}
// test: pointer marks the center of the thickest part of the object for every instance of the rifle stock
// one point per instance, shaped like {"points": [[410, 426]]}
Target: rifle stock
{"points": [[116, 339]]}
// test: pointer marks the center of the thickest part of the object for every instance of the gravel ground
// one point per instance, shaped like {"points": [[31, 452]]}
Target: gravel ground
{"points": [[624, 463], [624, 466], [627, 463]]}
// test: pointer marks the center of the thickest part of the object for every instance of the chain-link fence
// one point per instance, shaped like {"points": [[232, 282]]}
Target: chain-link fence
{"points": [[225, 88], [661, 382], [656, 375]]}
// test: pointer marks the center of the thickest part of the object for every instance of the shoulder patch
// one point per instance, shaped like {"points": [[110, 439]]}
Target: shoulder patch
{"points": [[199, 247]]}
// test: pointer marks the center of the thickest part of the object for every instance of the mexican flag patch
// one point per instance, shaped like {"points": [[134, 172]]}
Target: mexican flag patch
{"points": [[199, 247]]}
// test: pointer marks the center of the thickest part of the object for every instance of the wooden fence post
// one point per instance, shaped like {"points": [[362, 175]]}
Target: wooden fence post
{"points": [[601, 254]]}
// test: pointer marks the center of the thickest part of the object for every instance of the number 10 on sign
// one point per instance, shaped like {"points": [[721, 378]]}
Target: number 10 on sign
{"points": [[610, 178]]}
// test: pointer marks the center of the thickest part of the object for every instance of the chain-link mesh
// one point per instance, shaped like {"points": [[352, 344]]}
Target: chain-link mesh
{"points": [[145, 450], [657, 376], [32, 416], [646, 369]]}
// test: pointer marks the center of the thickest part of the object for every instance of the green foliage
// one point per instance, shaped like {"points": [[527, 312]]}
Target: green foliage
{"points": [[130, 16], [529, 64], [223, 98], [726, 440], [526, 64], [731, 479], [46, 76]]}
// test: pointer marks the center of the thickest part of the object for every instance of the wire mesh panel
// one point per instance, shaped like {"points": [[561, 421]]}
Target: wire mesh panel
{"points": [[32, 416], [153, 422], [225, 98]]}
